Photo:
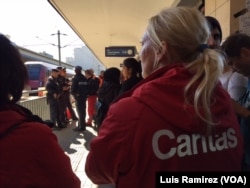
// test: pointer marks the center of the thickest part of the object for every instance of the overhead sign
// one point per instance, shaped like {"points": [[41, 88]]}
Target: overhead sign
{"points": [[120, 51]]}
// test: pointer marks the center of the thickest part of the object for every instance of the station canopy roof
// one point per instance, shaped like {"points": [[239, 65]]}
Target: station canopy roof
{"points": [[107, 23]]}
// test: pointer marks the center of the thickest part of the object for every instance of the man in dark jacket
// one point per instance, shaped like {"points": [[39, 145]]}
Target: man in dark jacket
{"points": [[93, 83], [79, 90], [64, 87], [53, 94], [68, 97]]}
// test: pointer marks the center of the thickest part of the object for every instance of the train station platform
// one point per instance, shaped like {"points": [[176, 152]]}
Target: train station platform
{"points": [[76, 146]]}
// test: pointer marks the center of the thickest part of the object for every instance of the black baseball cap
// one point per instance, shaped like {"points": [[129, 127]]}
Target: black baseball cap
{"points": [[55, 70], [59, 68], [79, 68]]}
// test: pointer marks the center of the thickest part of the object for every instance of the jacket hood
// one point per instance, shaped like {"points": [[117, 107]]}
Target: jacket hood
{"points": [[10, 117], [13, 115]]}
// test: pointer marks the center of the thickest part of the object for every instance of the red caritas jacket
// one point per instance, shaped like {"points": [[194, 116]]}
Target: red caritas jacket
{"points": [[30, 155], [150, 129]]}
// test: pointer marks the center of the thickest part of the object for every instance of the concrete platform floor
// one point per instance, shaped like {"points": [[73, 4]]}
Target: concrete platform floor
{"points": [[76, 146]]}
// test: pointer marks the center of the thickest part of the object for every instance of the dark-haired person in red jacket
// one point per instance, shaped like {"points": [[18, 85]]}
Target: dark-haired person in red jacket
{"points": [[30, 155]]}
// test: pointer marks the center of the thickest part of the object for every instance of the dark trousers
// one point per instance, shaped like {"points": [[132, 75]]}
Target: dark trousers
{"points": [[54, 110], [62, 107], [81, 110], [69, 106]]}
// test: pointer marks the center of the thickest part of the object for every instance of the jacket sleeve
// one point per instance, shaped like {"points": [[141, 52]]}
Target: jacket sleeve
{"points": [[93, 86], [49, 86], [52, 87], [74, 86], [104, 165]]}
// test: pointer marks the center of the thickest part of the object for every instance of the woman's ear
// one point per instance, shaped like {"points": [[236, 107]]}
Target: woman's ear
{"points": [[162, 51]]}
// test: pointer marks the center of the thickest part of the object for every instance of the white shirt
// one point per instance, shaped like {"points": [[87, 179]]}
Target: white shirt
{"points": [[234, 83]]}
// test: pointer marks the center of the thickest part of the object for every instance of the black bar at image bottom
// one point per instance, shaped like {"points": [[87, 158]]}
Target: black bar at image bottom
{"points": [[202, 179]]}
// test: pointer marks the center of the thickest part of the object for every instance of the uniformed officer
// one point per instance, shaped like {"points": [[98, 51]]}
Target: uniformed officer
{"points": [[53, 94], [67, 96], [64, 87], [79, 90]]}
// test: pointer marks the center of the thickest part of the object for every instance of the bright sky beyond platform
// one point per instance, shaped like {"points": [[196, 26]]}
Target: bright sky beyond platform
{"points": [[31, 23]]}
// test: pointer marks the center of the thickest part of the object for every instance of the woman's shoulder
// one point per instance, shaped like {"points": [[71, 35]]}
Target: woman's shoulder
{"points": [[34, 129], [21, 120]]}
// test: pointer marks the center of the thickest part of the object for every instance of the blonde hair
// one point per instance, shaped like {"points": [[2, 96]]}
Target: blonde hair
{"points": [[184, 30]]}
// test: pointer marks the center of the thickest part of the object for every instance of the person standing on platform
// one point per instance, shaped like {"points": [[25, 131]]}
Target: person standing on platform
{"points": [[131, 73], [79, 90], [178, 118], [53, 95], [216, 33], [107, 93], [100, 77], [30, 155], [68, 97], [64, 87], [93, 83]]}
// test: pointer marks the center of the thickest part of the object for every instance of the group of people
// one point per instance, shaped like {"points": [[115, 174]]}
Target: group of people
{"points": [[177, 118], [235, 77], [115, 83], [91, 93], [58, 98], [84, 90]]}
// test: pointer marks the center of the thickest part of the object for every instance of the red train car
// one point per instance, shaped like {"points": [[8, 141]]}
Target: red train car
{"points": [[39, 73]]}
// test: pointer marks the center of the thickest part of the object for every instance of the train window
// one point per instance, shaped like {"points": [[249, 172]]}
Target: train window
{"points": [[34, 72], [48, 72]]}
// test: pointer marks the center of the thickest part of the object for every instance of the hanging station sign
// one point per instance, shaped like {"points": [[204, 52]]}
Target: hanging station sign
{"points": [[120, 51]]}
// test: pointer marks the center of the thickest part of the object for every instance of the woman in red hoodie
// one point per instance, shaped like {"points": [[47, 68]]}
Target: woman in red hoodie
{"points": [[178, 119], [30, 155]]}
